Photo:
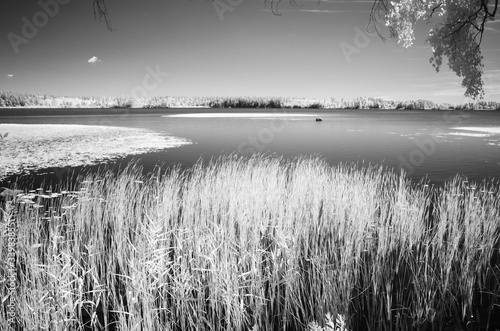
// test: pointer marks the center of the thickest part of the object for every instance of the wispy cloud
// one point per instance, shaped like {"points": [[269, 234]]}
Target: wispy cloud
{"points": [[426, 47], [94, 59], [321, 11], [437, 80], [397, 96], [492, 75], [490, 29], [403, 51], [326, 11], [492, 82], [495, 72], [449, 93], [493, 22], [491, 86], [341, 1], [318, 6], [492, 90]]}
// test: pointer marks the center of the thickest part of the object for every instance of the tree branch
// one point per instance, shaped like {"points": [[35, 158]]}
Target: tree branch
{"points": [[101, 12], [435, 8]]}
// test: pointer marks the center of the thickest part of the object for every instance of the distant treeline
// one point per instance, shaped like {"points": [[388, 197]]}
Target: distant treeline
{"points": [[11, 99]]}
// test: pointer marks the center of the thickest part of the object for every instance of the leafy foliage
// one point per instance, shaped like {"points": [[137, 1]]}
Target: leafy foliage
{"points": [[330, 325], [457, 35]]}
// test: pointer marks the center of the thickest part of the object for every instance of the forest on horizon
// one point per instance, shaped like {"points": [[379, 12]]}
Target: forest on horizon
{"points": [[27, 100]]}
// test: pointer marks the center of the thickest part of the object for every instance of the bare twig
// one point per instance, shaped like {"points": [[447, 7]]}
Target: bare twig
{"points": [[101, 12]]}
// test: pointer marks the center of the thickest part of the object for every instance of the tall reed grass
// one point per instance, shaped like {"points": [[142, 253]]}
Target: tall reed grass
{"points": [[258, 243]]}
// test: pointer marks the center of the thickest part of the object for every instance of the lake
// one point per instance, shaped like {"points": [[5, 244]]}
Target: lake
{"points": [[427, 144]]}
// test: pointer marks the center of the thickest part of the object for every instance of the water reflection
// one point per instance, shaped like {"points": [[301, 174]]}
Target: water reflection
{"points": [[430, 144]]}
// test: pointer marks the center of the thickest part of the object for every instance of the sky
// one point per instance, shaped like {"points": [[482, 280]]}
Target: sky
{"points": [[233, 48]]}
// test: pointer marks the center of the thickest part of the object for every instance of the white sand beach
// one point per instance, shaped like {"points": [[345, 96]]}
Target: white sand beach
{"points": [[468, 134], [492, 130], [36, 146], [240, 115]]}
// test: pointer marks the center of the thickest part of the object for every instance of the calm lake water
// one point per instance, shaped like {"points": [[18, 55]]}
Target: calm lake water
{"points": [[424, 143]]}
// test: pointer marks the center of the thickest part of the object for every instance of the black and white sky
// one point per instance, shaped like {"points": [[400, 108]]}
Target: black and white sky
{"points": [[230, 48]]}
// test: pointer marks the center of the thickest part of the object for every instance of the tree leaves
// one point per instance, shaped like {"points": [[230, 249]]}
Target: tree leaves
{"points": [[457, 35]]}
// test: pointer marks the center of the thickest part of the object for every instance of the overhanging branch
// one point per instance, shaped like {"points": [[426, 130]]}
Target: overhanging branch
{"points": [[101, 12]]}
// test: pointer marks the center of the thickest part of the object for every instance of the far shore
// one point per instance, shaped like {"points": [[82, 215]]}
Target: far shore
{"points": [[25, 111]]}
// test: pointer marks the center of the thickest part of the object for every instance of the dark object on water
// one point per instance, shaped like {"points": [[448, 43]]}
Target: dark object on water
{"points": [[318, 119]]}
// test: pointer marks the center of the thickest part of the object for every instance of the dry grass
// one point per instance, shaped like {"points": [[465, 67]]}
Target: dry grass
{"points": [[260, 243]]}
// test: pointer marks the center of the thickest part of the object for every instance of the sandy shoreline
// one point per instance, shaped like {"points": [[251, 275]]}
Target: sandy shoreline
{"points": [[40, 107], [16, 112], [493, 130], [85, 111], [240, 115], [36, 146]]}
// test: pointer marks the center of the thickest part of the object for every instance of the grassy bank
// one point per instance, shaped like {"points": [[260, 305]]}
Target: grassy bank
{"points": [[260, 243]]}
